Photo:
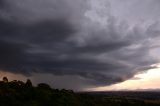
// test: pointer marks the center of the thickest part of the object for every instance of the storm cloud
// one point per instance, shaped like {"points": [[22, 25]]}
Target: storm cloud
{"points": [[76, 38]]}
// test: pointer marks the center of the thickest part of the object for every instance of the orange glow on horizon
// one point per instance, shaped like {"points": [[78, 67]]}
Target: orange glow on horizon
{"points": [[147, 80], [12, 76]]}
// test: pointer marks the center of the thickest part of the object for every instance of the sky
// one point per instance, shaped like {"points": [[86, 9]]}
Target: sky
{"points": [[144, 81], [80, 44]]}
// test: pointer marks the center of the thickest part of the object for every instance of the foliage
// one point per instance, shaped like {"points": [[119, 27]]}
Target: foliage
{"points": [[18, 93]]}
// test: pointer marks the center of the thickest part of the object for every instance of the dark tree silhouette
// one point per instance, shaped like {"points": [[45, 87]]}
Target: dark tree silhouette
{"points": [[28, 83], [18, 93], [43, 86], [5, 79]]}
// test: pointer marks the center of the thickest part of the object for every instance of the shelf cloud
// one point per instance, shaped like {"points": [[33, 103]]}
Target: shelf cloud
{"points": [[84, 38]]}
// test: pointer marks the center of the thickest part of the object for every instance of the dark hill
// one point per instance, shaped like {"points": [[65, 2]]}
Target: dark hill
{"points": [[18, 93]]}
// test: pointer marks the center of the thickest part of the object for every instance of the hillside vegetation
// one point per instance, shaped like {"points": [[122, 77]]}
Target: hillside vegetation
{"points": [[18, 93]]}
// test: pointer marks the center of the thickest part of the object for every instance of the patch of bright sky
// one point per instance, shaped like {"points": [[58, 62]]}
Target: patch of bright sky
{"points": [[143, 81]]}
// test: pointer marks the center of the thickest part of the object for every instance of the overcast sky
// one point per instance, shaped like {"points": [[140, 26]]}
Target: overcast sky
{"points": [[78, 44]]}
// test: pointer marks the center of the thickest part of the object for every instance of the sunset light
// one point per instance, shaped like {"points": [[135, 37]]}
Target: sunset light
{"points": [[148, 80]]}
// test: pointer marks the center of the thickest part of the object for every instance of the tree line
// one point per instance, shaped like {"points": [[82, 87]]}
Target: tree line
{"points": [[19, 93]]}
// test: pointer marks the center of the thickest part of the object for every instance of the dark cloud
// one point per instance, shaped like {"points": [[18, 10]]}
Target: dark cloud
{"points": [[2, 4], [17, 39], [63, 44]]}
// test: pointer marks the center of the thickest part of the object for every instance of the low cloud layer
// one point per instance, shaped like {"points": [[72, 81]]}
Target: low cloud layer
{"points": [[76, 38]]}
